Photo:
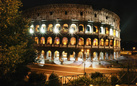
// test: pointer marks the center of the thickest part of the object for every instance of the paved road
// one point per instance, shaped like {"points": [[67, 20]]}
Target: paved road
{"points": [[64, 70]]}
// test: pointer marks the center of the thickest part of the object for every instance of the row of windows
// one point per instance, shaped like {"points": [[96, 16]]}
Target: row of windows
{"points": [[80, 41], [73, 28]]}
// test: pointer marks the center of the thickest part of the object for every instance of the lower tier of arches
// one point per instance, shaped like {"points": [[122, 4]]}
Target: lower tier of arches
{"points": [[82, 55]]}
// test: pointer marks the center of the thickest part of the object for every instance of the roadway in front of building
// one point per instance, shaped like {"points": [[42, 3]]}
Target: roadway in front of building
{"points": [[65, 70]]}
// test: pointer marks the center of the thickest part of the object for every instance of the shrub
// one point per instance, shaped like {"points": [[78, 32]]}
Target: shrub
{"points": [[96, 75], [114, 80], [36, 79], [54, 80]]}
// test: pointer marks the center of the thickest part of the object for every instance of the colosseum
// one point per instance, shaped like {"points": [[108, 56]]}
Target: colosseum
{"points": [[74, 32]]}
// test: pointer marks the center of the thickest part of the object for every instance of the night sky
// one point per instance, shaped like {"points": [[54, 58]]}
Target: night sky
{"points": [[125, 9]]}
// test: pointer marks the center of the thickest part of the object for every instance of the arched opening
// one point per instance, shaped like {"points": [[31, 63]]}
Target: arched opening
{"points": [[111, 42], [111, 32], [107, 32], [107, 43], [73, 41], [64, 40], [43, 28], [65, 27], [57, 40], [114, 55], [37, 40], [42, 41], [88, 29], [49, 55], [95, 56], [49, 40], [88, 41], [72, 28], [57, 26], [72, 56], [95, 29], [50, 27], [56, 56], [81, 41], [106, 55], [117, 43], [32, 29], [37, 28], [101, 56], [111, 57], [102, 31], [102, 42], [64, 56], [95, 42], [81, 28], [41, 59], [88, 54], [80, 56]]}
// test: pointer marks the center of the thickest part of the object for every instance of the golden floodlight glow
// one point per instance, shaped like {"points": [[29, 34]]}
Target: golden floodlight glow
{"points": [[82, 50]]}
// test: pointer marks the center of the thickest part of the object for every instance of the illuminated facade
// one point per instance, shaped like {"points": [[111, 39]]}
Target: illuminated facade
{"points": [[74, 32]]}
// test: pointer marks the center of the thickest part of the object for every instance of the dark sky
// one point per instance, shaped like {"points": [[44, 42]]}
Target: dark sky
{"points": [[125, 9]]}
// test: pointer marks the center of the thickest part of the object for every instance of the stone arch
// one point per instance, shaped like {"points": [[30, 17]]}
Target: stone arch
{"points": [[73, 27], [81, 28], [73, 41], [37, 40], [81, 41], [95, 56], [64, 56], [49, 40], [37, 28], [57, 40], [56, 55], [102, 42], [43, 28], [32, 29], [50, 27], [101, 56], [65, 28], [106, 56], [111, 42], [95, 42], [80, 56], [49, 55], [42, 59], [65, 41], [107, 42], [88, 41], [42, 40], [72, 56], [88, 29], [95, 29], [115, 55]]}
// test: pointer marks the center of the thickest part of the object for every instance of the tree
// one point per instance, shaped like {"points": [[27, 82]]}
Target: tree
{"points": [[15, 40]]}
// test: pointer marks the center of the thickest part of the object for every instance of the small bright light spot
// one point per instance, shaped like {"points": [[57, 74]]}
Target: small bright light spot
{"points": [[134, 48], [117, 85], [71, 31], [90, 85], [56, 30], [82, 50], [31, 31]]}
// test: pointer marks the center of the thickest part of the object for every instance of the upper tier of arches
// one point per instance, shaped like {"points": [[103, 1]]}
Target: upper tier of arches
{"points": [[75, 29]]}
